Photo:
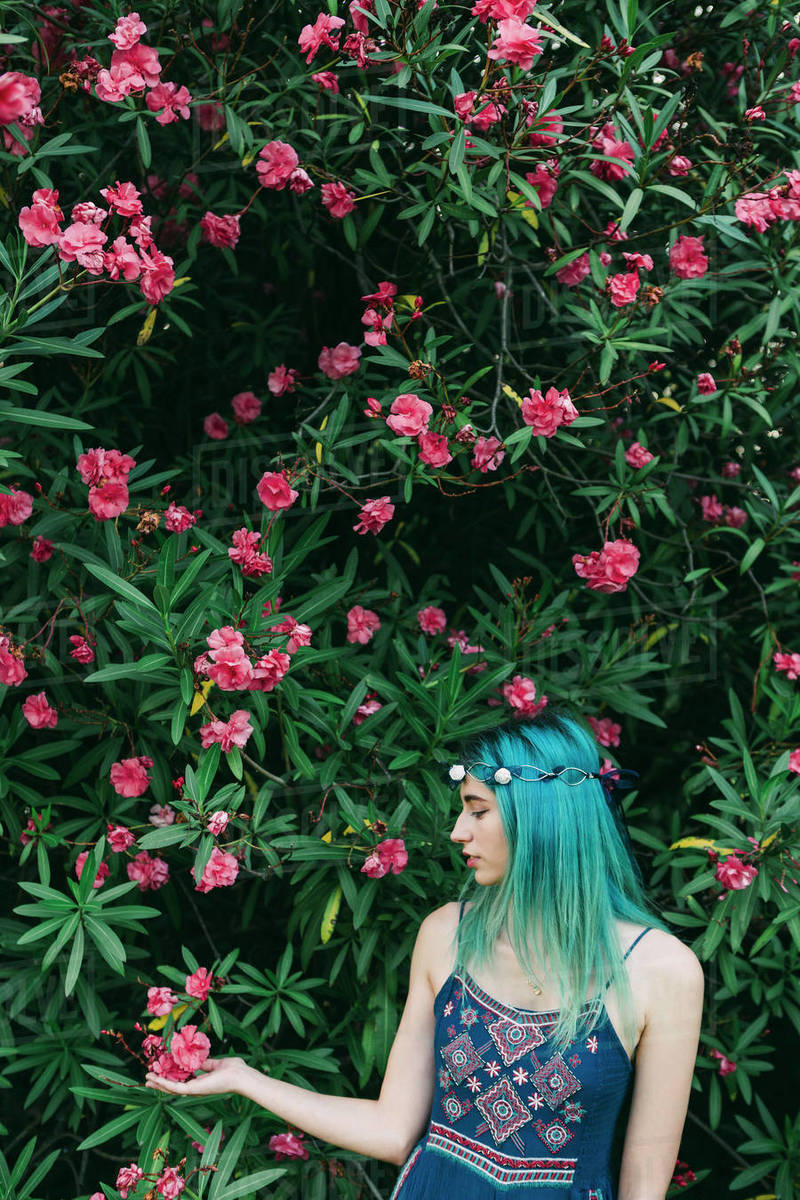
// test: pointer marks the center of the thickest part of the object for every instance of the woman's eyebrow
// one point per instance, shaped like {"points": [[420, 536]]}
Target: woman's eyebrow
{"points": [[477, 799]]}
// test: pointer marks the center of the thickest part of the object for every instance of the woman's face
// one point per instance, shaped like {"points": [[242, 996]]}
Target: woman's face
{"points": [[479, 832]]}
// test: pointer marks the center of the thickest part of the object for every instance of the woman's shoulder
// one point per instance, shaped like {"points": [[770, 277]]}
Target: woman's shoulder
{"points": [[659, 956]]}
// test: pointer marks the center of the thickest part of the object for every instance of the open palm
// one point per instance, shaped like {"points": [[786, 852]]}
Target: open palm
{"points": [[219, 1075]]}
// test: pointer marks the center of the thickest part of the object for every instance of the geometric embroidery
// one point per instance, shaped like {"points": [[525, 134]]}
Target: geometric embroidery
{"points": [[514, 1040], [494, 1165], [556, 1081], [503, 1109], [554, 1134], [461, 1057], [573, 1112], [454, 1107]]}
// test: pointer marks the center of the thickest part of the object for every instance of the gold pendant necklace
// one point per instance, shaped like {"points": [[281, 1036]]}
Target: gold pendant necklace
{"points": [[537, 991]]}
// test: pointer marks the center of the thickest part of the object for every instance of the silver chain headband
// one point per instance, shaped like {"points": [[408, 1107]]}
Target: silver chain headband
{"points": [[571, 776]]}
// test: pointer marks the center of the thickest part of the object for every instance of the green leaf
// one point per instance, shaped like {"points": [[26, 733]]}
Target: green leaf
{"points": [[121, 586], [188, 577], [75, 955], [250, 1183], [143, 142], [143, 666], [46, 420], [107, 942], [111, 1129], [632, 205], [752, 553]]}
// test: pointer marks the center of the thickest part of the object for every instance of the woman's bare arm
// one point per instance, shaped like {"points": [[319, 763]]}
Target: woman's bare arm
{"points": [[385, 1128]]}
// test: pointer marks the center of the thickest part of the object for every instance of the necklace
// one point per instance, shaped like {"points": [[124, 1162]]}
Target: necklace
{"points": [[533, 983]]}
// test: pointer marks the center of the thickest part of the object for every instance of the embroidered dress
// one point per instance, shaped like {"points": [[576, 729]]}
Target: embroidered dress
{"points": [[511, 1117]]}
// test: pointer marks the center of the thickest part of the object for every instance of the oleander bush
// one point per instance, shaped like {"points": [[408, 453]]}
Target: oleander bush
{"points": [[371, 375]]}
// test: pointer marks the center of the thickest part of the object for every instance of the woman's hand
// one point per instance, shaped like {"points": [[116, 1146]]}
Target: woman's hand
{"points": [[220, 1075]]}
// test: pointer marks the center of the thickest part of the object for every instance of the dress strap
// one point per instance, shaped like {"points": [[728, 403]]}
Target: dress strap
{"points": [[461, 910], [627, 952]]}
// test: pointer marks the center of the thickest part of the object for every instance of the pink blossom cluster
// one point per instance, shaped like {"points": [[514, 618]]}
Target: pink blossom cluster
{"points": [[299, 634], [759, 210], [609, 569], [726, 1065], [605, 730], [379, 313], [374, 514], [287, 1145], [220, 871], [102, 870], [789, 662], [687, 257], [41, 547], [188, 1050], [371, 704], [547, 413], [84, 239], [12, 666], [432, 620], [229, 666], [715, 512], [339, 361], [389, 855], [220, 231], [606, 141], [129, 776], [106, 472], [246, 554], [39, 713], [520, 694], [19, 105], [149, 873], [637, 455], [134, 68], [275, 492], [362, 624], [235, 732], [177, 518], [279, 167], [15, 508], [516, 43], [734, 874], [282, 379], [544, 178]]}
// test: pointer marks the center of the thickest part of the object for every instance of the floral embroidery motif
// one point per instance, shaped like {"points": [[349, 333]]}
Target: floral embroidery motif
{"points": [[520, 1075], [445, 1079], [468, 1017], [591, 1044], [513, 1040], [575, 1060], [454, 1107], [474, 1084], [556, 1081], [448, 1008], [460, 1056], [492, 1068], [451, 1029], [536, 1100], [573, 1112], [554, 1134], [503, 1109]]}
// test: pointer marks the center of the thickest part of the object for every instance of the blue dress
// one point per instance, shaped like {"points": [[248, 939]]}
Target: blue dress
{"points": [[511, 1117]]}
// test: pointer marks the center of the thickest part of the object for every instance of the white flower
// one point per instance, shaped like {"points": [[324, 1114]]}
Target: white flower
{"points": [[457, 772], [502, 775]]}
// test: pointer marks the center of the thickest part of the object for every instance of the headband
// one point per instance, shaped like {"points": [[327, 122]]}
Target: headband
{"points": [[613, 780]]}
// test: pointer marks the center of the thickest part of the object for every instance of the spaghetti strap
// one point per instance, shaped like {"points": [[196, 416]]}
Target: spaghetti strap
{"points": [[627, 952]]}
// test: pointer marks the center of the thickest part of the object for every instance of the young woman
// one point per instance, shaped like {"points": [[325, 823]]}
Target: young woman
{"points": [[551, 1018]]}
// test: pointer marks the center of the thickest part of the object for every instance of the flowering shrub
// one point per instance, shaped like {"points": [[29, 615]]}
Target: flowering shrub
{"points": [[403, 380]]}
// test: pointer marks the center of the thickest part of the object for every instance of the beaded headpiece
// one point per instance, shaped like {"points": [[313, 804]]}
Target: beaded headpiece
{"points": [[612, 780]]}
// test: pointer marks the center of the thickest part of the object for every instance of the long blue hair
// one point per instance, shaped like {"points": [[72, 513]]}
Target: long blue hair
{"points": [[571, 873]]}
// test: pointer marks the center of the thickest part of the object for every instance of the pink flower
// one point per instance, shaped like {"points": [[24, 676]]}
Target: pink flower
{"points": [[269, 670], [733, 874], [338, 199], [687, 258], [327, 80], [278, 161], [288, 1145], [231, 668], [622, 289], [123, 198], [178, 519], [87, 210], [362, 624], [15, 508], [169, 101], [389, 855], [637, 262], [108, 500], [726, 1065], [339, 361], [81, 650], [299, 635], [170, 1183], [499, 10], [605, 730], [215, 426], [40, 222], [548, 129], [161, 1001], [487, 454], [431, 620], [547, 413], [282, 379], [637, 455], [679, 165], [102, 870], [199, 983], [127, 32], [12, 668], [148, 873], [573, 272], [706, 383], [233, 732], [734, 517], [274, 491], [545, 179], [221, 231], [434, 449], [158, 277], [127, 1178], [370, 706], [18, 95], [790, 663], [119, 838], [246, 407], [129, 776], [122, 260], [794, 761], [190, 1048], [607, 143], [210, 117], [374, 514], [161, 815], [83, 243], [38, 713], [711, 508], [321, 33], [218, 822], [516, 42], [609, 569], [221, 871], [520, 694], [244, 551], [409, 415], [756, 210]]}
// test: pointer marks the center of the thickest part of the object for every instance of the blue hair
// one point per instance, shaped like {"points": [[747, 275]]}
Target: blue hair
{"points": [[571, 873]]}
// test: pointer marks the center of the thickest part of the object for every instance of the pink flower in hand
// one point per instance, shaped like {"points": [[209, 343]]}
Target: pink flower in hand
{"points": [[189, 1048]]}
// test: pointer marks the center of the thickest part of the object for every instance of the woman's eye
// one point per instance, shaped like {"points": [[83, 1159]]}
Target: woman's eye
{"points": [[480, 812]]}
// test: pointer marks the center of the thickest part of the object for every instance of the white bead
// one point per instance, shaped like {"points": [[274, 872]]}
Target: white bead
{"points": [[457, 772], [502, 775]]}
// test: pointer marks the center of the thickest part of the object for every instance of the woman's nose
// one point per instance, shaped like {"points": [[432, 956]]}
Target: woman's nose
{"points": [[458, 834]]}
